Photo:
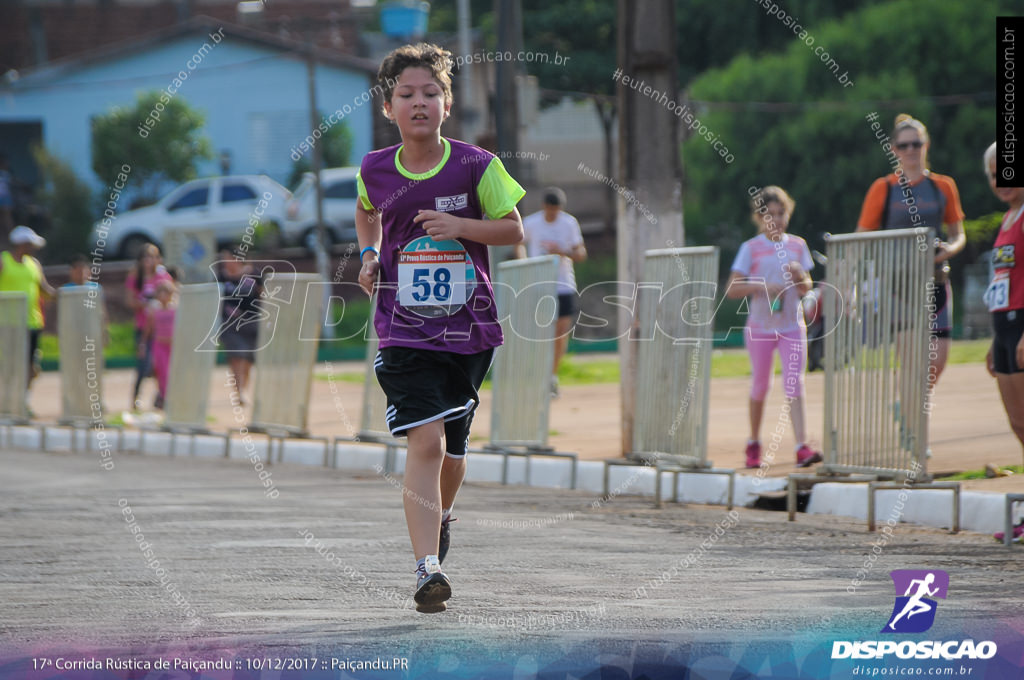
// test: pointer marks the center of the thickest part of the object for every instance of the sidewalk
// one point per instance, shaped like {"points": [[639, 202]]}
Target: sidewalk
{"points": [[969, 427]]}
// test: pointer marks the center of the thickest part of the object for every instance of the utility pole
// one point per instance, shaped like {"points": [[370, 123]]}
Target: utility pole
{"points": [[322, 255], [465, 71], [509, 17], [649, 164]]}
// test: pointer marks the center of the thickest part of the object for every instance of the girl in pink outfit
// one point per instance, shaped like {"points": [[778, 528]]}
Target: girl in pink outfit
{"points": [[771, 271], [159, 332], [140, 287]]}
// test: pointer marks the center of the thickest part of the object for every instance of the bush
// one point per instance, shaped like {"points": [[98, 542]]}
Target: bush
{"points": [[981, 233]]}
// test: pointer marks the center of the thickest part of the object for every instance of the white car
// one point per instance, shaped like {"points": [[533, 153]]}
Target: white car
{"points": [[340, 196], [224, 204]]}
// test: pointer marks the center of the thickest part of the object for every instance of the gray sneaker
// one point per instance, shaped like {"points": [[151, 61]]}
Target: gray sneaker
{"points": [[433, 589]]}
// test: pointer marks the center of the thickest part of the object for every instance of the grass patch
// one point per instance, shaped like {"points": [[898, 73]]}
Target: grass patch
{"points": [[346, 377], [598, 371], [122, 342], [731, 363], [980, 474], [969, 351], [725, 363]]}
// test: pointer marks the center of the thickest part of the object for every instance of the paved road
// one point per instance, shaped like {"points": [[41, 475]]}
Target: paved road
{"points": [[538, 574]]}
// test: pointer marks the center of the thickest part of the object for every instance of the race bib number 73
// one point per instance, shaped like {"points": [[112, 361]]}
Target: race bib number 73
{"points": [[997, 297]]}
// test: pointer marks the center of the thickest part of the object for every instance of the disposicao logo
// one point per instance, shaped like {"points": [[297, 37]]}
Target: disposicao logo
{"points": [[914, 612]]}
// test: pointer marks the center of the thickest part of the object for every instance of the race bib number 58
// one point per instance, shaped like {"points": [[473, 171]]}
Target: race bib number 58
{"points": [[432, 278]]}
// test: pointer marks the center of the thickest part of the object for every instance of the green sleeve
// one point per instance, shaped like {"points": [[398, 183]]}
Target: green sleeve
{"points": [[364, 198], [497, 191]]}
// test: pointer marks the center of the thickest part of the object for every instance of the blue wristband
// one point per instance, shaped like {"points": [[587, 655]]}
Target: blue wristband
{"points": [[363, 252]]}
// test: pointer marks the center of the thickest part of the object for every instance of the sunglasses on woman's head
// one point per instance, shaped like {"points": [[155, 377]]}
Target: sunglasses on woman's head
{"points": [[903, 146]]}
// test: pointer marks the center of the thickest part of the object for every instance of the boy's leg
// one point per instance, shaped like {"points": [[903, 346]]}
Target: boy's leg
{"points": [[421, 496], [568, 311], [563, 326], [453, 471]]}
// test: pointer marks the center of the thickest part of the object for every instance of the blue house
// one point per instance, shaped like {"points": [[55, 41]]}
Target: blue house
{"points": [[251, 86]]}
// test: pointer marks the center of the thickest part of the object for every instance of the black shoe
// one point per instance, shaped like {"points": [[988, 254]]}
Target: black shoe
{"points": [[433, 589], [445, 539]]}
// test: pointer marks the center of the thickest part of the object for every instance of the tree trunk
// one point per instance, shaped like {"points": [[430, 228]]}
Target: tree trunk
{"points": [[649, 165]]}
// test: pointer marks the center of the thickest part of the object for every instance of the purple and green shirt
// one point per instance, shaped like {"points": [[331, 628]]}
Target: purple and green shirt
{"points": [[436, 294]]}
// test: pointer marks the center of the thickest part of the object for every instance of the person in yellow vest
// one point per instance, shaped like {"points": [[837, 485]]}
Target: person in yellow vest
{"points": [[22, 273]]}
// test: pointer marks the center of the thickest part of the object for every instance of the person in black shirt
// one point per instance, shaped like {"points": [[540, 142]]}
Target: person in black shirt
{"points": [[240, 314]]}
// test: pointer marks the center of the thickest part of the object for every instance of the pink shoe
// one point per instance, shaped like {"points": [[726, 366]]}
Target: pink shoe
{"points": [[805, 456], [1017, 535], [754, 455]]}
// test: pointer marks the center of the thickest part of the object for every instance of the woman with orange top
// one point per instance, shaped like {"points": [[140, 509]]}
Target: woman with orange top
{"points": [[913, 196]]}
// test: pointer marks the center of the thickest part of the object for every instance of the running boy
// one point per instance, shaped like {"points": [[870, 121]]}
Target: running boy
{"points": [[423, 240]]}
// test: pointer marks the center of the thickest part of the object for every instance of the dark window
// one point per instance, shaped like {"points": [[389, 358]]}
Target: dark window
{"points": [[346, 188], [231, 193], [192, 199]]}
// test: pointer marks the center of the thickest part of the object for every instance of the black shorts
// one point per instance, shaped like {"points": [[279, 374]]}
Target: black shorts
{"points": [[1008, 327], [425, 385], [568, 304], [238, 345], [942, 325]]}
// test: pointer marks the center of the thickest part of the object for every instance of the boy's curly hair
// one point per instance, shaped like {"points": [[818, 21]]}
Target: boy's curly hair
{"points": [[434, 58]]}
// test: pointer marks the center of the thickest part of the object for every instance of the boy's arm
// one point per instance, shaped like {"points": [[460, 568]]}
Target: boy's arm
{"points": [[48, 291], [578, 253], [442, 226], [368, 231]]}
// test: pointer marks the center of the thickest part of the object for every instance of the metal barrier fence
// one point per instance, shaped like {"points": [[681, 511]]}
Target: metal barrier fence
{"points": [[285, 353], [526, 297], [878, 298], [193, 353], [13, 357], [80, 342], [673, 380]]}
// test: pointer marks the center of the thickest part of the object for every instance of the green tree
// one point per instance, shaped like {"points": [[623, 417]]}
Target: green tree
{"points": [[710, 33], [337, 150], [789, 121], [68, 202], [158, 145]]}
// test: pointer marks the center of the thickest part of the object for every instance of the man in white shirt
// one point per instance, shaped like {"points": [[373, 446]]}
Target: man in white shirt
{"points": [[552, 231]]}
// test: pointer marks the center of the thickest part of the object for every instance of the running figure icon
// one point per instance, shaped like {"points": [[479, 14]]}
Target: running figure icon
{"points": [[914, 604], [915, 590]]}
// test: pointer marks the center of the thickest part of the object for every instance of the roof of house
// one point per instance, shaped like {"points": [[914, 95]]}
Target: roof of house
{"points": [[205, 25]]}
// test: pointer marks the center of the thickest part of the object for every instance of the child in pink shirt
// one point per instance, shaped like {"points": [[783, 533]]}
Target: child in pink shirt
{"points": [[159, 331], [771, 270]]}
